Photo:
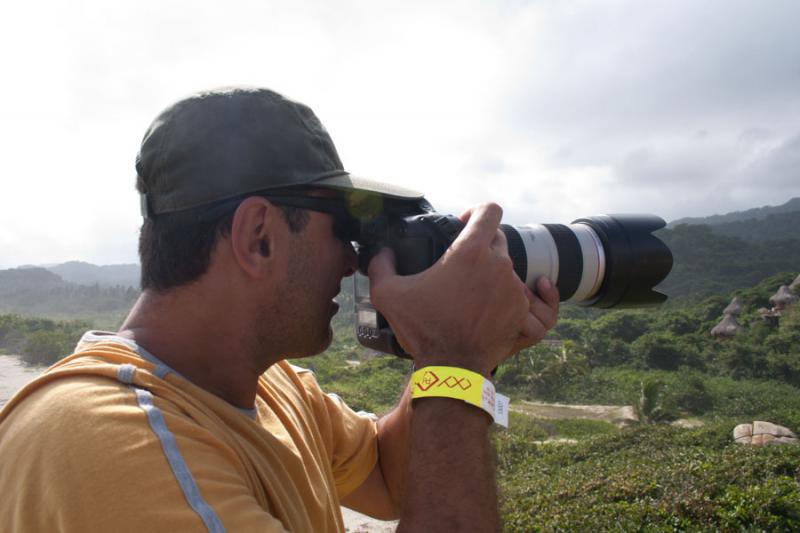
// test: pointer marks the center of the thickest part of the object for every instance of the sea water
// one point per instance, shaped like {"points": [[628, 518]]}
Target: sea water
{"points": [[13, 375]]}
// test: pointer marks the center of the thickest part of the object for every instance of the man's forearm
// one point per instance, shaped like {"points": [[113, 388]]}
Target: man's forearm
{"points": [[451, 480], [394, 432], [438, 465]]}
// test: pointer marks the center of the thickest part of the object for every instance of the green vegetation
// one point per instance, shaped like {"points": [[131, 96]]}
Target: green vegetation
{"points": [[708, 263], [777, 226], [749, 216], [37, 292], [366, 381], [652, 476], [39, 341]]}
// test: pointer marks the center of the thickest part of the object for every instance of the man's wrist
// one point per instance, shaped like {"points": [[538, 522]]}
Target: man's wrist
{"points": [[473, 364], [461, 385], [440, 408]]}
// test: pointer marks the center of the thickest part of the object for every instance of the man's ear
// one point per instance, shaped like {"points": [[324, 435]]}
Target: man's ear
{"points": [[253, 234]]}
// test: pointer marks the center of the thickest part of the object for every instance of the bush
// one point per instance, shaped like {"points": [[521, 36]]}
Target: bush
{"points": [[769, 506], [650, 478], [677, 323], [650, 406], [373, 385], [658, 350], [46, 347], [40, 341], [542, 368], [691, 395]]}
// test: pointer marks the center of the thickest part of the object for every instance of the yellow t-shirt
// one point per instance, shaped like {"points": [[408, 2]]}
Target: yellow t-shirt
{"points": [[108, 441]]}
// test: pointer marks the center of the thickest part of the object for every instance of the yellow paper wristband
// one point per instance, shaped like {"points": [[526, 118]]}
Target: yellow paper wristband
{"points": [[452, 382]]}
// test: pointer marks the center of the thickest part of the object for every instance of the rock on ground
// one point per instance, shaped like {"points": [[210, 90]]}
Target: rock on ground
{"points": [[759, 433], [355, 522]]}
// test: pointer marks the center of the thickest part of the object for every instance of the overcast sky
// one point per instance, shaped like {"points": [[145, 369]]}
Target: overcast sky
{"points": [[554, 109]]}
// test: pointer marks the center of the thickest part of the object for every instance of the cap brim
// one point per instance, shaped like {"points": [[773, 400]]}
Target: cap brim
{"points": [[349, 182]]}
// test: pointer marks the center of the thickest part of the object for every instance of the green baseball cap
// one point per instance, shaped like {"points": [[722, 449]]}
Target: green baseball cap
{"points": [[230, 142]]}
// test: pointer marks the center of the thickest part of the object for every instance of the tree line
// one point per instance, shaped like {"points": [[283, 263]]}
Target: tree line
{"points": [[39, 341], [707, 263], [671, 344]]}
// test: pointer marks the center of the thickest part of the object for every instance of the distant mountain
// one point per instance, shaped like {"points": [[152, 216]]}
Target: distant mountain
{"points": [[21, 279], [759, 225], [708, 263], [106, 275], [39, 292], [757, 213], [773, 227]]}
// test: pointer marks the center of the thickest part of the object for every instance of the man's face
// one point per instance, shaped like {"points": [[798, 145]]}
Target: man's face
{"points": [[316, 264]]}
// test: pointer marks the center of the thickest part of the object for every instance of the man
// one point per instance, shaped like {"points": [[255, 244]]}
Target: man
{"points": [[189, 418]]}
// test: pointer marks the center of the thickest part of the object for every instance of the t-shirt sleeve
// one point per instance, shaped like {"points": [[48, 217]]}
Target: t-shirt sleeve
{"points": [[85, 458], [350, 437]]}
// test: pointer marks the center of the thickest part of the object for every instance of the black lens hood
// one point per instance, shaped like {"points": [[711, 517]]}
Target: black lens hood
{"points": [[635, 260]]}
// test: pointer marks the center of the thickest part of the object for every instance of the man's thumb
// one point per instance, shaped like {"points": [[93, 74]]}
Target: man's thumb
{"points": [[381, 266]]}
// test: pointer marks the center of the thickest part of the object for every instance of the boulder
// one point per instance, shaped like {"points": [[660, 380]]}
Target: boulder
{"points": [[760, 433], [743, 433], [760, 440], [768, 428]]}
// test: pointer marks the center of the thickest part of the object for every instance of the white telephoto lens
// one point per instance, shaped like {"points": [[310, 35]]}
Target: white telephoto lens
{"points": [[594, 263], [580, 266], [541, 253]]}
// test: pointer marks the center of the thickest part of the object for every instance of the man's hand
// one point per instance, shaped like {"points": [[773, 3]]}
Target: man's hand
{"points": [[469, 309]]}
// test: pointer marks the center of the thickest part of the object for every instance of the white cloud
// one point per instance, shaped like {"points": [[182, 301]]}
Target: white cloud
{"points": [[554, 109]]}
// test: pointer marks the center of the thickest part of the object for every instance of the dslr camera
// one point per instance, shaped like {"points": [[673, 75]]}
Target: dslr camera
{"points": [[600, 261]]}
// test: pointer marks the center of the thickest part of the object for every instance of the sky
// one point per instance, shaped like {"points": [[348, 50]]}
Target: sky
{"points": [[553, 109]]}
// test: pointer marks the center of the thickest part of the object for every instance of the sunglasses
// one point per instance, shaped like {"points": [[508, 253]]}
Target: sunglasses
{"points": [[345, 226]]}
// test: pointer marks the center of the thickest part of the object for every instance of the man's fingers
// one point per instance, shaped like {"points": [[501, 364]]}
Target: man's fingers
{"points": [[482, 223], [545, 305], [547, 292], [546, 314], [499, 243], [542, 313], [533, 329]]}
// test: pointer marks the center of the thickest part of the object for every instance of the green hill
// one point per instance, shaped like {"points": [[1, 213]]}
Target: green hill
{"points": [[774, 227], [708, 263], [37, 292], [757, 213], [106, 275], [759, 225]]}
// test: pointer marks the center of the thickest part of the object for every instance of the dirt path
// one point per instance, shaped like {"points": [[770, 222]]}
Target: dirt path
{"points": [[616, 414]]}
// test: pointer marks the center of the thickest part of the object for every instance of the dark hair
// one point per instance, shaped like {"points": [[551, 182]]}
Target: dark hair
{"points": [[175, 248]]}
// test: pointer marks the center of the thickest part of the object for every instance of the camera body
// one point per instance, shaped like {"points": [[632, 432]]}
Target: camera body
{"points": [[603, 261]]}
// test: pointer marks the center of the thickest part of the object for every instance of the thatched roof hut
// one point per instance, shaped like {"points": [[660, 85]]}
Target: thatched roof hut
{"points": [[734, 308], [767, 315], [782, 298], [795, 286], [726, 328]]}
